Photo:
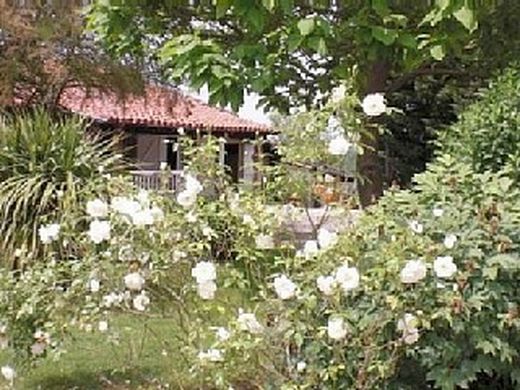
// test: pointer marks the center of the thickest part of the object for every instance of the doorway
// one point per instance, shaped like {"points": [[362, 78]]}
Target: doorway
{"points": [[232, 160]]}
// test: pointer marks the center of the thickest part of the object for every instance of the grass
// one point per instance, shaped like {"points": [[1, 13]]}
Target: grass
{"points": [[92, 362]]}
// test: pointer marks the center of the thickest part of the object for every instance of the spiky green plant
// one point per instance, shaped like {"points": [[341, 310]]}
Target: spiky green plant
{"points": [[49, 165]]}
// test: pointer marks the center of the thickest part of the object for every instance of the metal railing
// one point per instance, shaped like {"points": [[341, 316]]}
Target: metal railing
{"points": [[157, 180]]}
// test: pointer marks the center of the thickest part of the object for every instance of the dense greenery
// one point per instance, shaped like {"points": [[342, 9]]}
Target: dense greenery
{"points": [[48, 168], [488, 132]]}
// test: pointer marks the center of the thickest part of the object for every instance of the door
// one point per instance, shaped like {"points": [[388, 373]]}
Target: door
{"points": [[232, 160]]}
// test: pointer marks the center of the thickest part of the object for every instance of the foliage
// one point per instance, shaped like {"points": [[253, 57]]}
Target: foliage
{"points": [[303, 49], [48, 166], [488, 132], [43, 52]]}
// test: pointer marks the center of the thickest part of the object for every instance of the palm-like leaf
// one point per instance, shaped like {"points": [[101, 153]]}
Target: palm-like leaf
{"points": [[48, 166]]}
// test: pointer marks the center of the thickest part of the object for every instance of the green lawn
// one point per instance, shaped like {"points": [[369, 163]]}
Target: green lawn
{"points": [[92, 362]]}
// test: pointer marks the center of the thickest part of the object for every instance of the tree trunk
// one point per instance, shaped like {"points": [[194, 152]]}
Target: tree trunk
{"points": [[369, 164]]}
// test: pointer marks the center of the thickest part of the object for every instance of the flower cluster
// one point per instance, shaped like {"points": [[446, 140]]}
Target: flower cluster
{"points": [[205, 275], [188, 196]]}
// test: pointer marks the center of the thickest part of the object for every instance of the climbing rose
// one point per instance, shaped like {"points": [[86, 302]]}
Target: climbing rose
{"points": [[339, 146], [140, 301], [413, 271], [310, 248], [450, 240], [416, 227], [186, 199], [326, 284], [49, 233], [248, 322], [326, 239], [407, 325], [347, 277], [374, 104], [444, 266], [8, 373], [264, 241], [207, 289], [336, 329], [284, 287], [99, 231], [134, 281], [97, 208], [204, 271]]}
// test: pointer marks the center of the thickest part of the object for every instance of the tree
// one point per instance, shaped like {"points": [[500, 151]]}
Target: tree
{"points": [[43, 51], [294, 52]]}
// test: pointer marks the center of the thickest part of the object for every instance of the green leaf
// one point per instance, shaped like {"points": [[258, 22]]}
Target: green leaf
{"points": [[407, 40], [381, 7], [269, 4], [385, 35], [306, 26], [222, 7], [437, 52], [467, 18]]}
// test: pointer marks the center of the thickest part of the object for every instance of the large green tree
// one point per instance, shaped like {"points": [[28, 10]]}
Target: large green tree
{"points": [[294, 52]]}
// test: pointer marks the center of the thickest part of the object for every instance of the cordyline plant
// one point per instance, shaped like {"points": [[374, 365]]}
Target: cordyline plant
{"points": [[48, 166]]}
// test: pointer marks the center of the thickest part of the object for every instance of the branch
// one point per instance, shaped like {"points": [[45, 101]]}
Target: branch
{"points": [[424, 71]]}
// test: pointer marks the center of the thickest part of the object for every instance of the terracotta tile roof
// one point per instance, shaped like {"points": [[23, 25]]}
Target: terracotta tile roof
{"points": [[159, 107]]}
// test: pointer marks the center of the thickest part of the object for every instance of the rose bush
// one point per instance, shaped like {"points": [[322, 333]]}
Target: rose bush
{"points": [[423, 291]]}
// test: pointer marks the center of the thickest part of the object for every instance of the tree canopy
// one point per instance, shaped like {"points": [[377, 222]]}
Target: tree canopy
{"points": [[43, 51], [294, 52]]}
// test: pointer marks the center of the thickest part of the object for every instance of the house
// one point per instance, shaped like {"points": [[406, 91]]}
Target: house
{"points": [[152, 122]]}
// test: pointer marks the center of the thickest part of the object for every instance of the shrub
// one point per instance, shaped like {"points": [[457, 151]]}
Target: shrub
{"points": [[488, 132], [48, 167]]}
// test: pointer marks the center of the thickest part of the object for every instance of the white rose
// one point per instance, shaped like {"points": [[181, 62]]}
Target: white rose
{"points": [[143, 217], [193, 185], [450, 240], [437, 212], [204, 271], [112, 299], [264, 241], [338, 94], [374, 104], [326, 284], [413, 271], [339, 146], [38, 348], [284, 287], [444, 267], [212, 355], [103, 326], [49, 233], [207, 289], [336, 328], [99, 231], [141, 301], [8, 373], [301, 366], [191, 217], [97, 208], [310, 248], [416, 227], [93, 285], [143, 198], [248, 220], [222, 334], [248, 322], [207, 231], [347, 277], [157, 213], [326, 239], [186, 198], [408, 325], [134, 281], [125, 206]]}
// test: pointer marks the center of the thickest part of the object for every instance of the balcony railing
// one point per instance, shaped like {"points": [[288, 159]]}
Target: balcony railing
{"points": [[157, 180]]}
